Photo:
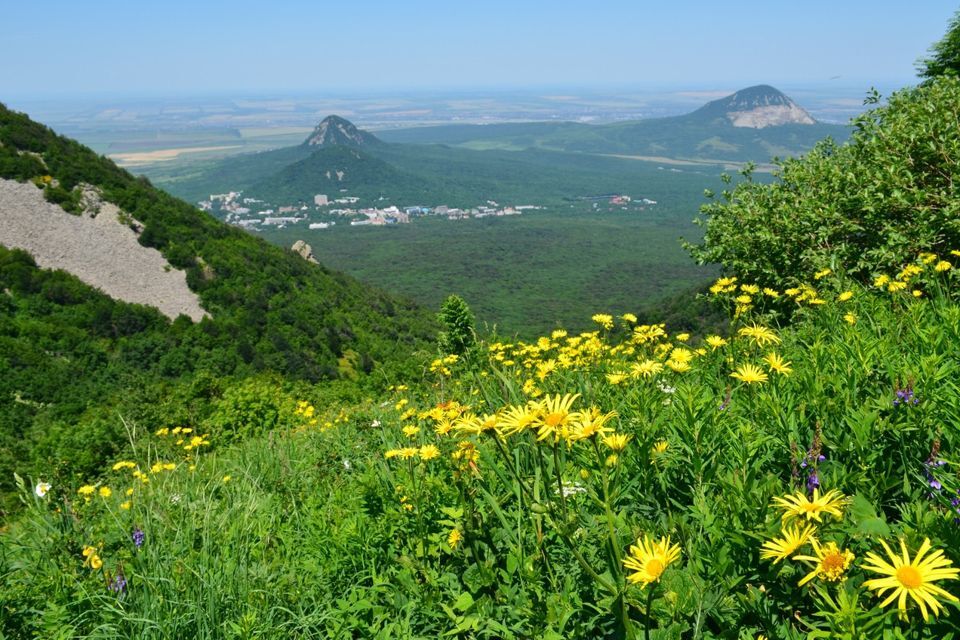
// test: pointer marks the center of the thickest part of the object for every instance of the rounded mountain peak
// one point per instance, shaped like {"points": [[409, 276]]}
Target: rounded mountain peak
{"points": [[336, 131], [756, 107]]}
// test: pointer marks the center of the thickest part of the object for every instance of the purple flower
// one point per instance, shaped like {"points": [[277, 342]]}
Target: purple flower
{"points": [[119, 584], [138, 537], [813, 481], [905, 396]]}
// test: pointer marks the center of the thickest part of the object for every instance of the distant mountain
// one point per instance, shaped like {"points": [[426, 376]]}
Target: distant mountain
{"points": [[752, 125], [336, 131], [755, 107]]}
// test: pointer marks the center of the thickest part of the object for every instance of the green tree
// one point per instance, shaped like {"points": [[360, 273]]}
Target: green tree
{"points": [[944, 55], [457, 334], [867, 206]]}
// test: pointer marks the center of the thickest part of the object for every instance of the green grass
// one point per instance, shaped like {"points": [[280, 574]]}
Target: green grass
{"points": [[308, 531]]}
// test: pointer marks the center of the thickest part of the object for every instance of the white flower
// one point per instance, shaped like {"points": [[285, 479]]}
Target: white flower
{"points": [[572, 488], [41, 489], [666, 388], [375, 424], [347, 465]]}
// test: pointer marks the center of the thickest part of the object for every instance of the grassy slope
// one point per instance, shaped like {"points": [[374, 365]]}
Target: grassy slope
{"points": [[309, 536], [271, 311]]}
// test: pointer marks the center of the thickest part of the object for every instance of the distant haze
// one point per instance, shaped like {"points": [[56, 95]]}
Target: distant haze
{"points": [[180, 47]]}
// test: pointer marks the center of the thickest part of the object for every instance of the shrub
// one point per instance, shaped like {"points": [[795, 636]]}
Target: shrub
{"points": [[871, 204]]}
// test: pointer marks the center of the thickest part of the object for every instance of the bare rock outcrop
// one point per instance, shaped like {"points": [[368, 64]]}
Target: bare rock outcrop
{"points": [[100, 247], [305, 251]]}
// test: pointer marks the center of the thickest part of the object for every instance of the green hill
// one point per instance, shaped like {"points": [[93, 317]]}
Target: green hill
{"points": [[72, 356]]}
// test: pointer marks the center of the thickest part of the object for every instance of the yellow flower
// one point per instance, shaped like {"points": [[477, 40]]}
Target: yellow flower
{"points": [[776, 363], [454, 538], [823, 273], [105, 492], [162, 432], [849, 318], [555, 416], [943, 265], [126, 504], [590, 423], [682, 337], [761, 336], [429, 452], [95, 562], [227, 478], [771, 293], [880, 281], [831, 562], [646, 369], [519, 418], [660, 446], [798, 505], [123, 464], [410, 430], [87, 490], [603, 319], [89, 551], [846, 295], [749, 374], [792, 539], [917, 293], [715, 342], [408, 452], [896, 286], [629, 317], [744, 299], [911, 577], [648, 559], [616, 378], [680, 366], [752, 289], [616, 441]]}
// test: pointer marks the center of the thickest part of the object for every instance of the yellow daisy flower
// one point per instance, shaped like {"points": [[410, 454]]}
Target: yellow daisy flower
{"points": [[831, 563], [648, 559], [792, 538], [914, 578], [798, 505]]}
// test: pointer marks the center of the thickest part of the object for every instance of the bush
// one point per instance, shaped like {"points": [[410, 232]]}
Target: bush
{"points": [[871, 204]]}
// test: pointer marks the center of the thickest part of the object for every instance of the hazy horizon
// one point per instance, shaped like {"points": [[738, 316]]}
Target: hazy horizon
{"points": [[179, 49]]}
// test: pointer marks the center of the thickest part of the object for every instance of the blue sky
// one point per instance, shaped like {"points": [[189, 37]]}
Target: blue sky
{"points": [[187, 47]]}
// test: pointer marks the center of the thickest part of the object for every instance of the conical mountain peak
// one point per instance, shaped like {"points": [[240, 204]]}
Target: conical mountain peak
{"points": [[336, 131]]}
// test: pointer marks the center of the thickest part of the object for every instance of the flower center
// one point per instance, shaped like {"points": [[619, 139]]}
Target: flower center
{"points": [[553, 419], [654, 567], [811, 507], [908, 576], [833, 564]]}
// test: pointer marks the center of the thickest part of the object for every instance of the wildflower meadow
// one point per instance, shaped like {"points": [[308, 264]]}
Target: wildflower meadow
{"points": [[626, 482]]}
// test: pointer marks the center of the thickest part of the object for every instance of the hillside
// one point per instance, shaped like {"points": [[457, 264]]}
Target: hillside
{"points": [[269, 311], [751, 125]]}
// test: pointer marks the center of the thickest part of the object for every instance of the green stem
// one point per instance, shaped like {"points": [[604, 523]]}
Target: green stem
{"points": [[646, 623]]}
